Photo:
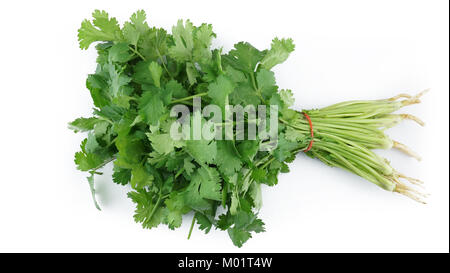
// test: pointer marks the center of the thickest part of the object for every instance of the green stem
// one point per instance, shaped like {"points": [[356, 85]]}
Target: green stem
{"points": [[105, 119], [102, 165], [348, 164], [137, 53], [363, 130], [163, 63], [192, 227], [258, 92], [112, 142], [262, 160], [267, 162], [354, 120], [252, 76], [165, 196], [188, 98], [224, 195], [305, 128], [357, 156], [155, 207], [179, 173]]}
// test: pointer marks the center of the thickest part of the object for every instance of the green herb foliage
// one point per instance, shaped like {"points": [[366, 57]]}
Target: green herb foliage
{"points": [[142, 71]]}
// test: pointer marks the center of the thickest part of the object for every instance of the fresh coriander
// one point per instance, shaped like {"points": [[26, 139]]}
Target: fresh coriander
{"points": [[143, 71]]}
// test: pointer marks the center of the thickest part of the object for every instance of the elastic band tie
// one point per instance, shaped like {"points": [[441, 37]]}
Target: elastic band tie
{"points": [[311, 130]]}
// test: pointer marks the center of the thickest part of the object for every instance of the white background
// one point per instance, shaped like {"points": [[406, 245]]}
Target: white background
{"points": [[344, 50]]}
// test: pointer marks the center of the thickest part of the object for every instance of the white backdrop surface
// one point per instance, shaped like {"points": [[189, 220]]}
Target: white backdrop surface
{"points": [[344, 50]]}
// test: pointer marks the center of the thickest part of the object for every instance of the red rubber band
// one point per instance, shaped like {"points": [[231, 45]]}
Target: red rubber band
{"points": [[311, 130]]}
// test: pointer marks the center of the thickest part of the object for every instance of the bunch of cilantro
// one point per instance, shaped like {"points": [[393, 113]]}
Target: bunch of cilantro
{"points": [[141, 72]]}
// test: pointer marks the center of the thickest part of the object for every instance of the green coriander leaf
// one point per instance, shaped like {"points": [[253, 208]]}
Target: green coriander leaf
{"points": [[83, 124], [271, 179], [236, 75], [276, 100], [177, 90], [219, 90], [174, 162], [87, 161], [138, 19], [202, 42], [228, 159], [285, 167], [151, 107], [188, 166], [245, 222], [294, 135], [284, 148], [257, 225], [176, 208], [140, 177], [153, 44], [118, 83], [137, 27], [141, 73], [91, 144], [112, 113], [130, 151], [102, 28], [191, 73], [204, 223], [239, 236], [156, 72], [255, 194], [192, 197], [184, 41], [244, 57], [162, 143], [225, 221], [103, 52], [242, 219], [121, 176], [245, 95], [259, 175], [266, 83], [210, 187], [149, 211], [119, 53], [98, 88], [287, 97], [130, 33], [101, 129], [191, 43], [234, 203], [278, 52], [167, 185], [248, 149], [203, 151]]}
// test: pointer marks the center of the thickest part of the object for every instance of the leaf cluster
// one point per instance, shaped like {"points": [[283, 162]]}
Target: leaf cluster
{"points": [[141, 72]]}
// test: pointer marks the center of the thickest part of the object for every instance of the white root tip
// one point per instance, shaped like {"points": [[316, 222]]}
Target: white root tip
{"points": [[414, 99], [410, 179], [422, 93], [403, 95], [412, 196], [405, 149], [411, 193], [413, 118]]}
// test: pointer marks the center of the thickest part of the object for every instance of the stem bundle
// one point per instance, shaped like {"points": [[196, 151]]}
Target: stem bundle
{"points": [[346, 133]]}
